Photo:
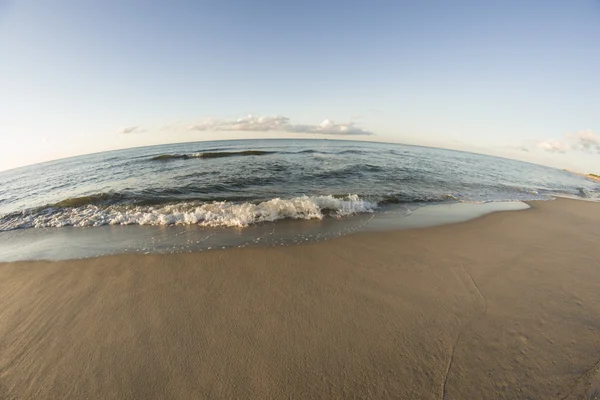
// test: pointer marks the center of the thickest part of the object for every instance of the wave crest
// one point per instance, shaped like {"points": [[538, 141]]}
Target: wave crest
{"points": [[102, 198]]}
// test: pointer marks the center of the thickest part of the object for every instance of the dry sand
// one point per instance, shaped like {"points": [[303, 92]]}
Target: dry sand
{"points": [[505, 306]]}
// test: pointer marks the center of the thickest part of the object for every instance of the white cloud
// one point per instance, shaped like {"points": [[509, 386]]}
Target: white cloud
{"points": [[583, 141], [277, 123], [206, 125], [258, 124], [329, 127], [131, 129], [553, 146]]}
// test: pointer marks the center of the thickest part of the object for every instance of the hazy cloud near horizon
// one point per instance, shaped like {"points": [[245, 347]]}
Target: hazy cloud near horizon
{"points": [[131, 129], [585, 141], [253, 123]]}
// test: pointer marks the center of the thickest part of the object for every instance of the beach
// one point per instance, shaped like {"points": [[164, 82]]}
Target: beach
{"points": [[506, 306]]}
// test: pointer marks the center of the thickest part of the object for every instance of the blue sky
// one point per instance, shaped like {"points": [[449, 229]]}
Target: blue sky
{"points": [[514, 78]]}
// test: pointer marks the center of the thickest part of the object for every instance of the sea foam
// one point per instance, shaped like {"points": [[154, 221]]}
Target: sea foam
{"points": [[216, 214]]}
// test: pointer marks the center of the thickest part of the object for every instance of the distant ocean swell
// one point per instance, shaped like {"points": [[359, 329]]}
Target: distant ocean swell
{"points": [[224, 154], [221, 154]]}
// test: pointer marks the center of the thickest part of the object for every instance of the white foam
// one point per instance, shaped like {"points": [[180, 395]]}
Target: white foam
{"points": [[217, 214]]}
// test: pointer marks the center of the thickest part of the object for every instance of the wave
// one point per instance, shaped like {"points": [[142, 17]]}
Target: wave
{"points": [[215, 214], [101, 198], [221, 154], [357, 170], [352, 152], [588, 194], [308, 152]]}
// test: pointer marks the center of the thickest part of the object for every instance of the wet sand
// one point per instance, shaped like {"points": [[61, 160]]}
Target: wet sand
{"points": [[504, 306]]}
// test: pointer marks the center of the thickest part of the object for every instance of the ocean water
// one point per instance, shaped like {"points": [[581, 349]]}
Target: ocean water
{"points": [[246, 183]]}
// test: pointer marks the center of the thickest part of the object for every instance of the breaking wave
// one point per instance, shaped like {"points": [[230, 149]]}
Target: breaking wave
{"points": [[588, 194], [215, 214]]}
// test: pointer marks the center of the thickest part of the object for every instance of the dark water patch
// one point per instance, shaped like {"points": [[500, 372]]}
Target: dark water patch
{"points": [[308, 152], [313, 151], [317, 152], [401, 153], [227, 190], [60, 185], [196, 174], [231, 189], [169, 157], [235, 153], [352, 151], [197, 198], [206, 155], [402, 198]]}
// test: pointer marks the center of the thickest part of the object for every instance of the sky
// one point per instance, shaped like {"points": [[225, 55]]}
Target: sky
{"points": [[512, 78]]}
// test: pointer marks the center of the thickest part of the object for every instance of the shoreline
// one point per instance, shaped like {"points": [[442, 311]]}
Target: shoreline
{"points": [[502, 306], [591, 176], [57, 244]]}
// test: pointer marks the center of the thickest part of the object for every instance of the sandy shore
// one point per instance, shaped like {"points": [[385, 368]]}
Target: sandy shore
{"points": [[505, 306]]}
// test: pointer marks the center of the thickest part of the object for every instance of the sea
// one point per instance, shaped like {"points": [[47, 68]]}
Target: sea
{"points": [[206, 195]]}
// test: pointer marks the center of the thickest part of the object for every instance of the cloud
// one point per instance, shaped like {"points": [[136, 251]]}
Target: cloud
{"points": [[253, 123], [131, 129], [553, 146], [582, 141], [258, 124], [329, 127], [586, 141], [206, 125]]}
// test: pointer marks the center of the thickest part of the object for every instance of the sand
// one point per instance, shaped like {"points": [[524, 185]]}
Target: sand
{"points": [[504, 306]]}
